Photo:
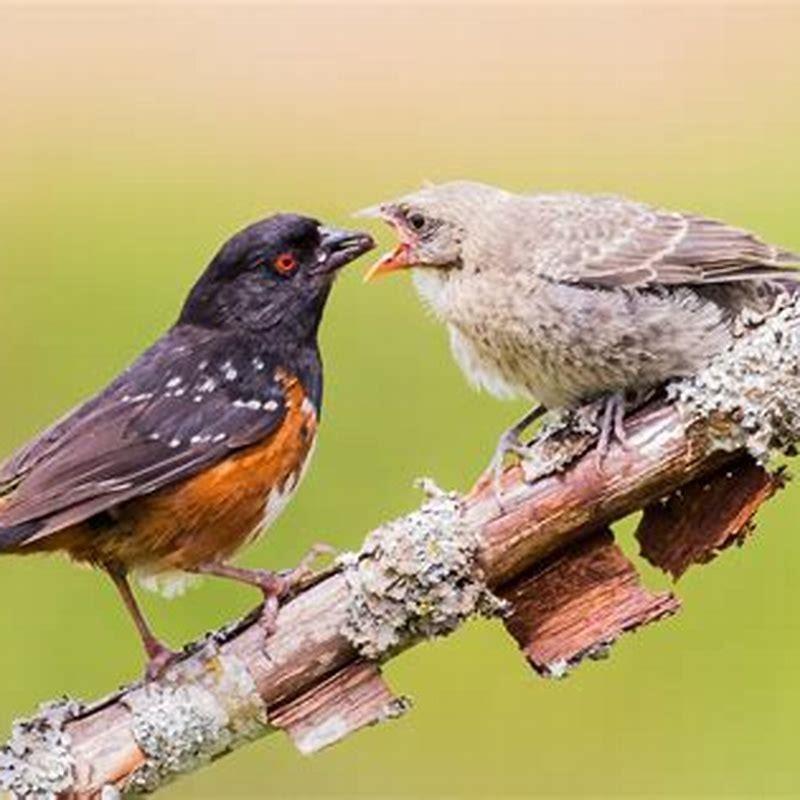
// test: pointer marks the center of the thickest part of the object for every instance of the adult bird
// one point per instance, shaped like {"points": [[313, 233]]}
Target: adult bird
{"points": [[567, 298], [191, 451]]}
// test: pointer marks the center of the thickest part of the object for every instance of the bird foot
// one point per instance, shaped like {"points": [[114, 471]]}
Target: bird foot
{"points": [[269, 614], [284, 584], [275, 586], [305, 572], [510, 443], [160, 657], [612, 428]]}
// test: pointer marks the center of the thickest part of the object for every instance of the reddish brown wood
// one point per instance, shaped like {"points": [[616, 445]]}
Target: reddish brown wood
{"points": [[705, 516], [578, 602]]}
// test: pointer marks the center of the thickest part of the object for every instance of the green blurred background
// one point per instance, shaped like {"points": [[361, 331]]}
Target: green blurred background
{"points": [[133, 140]]}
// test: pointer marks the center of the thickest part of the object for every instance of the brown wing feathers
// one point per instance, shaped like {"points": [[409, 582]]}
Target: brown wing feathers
{"points": [[206, 516], [184, 406], [675, 248]]}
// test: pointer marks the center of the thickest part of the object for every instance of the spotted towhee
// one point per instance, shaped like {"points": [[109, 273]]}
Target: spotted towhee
{"points": [[199, 444]]}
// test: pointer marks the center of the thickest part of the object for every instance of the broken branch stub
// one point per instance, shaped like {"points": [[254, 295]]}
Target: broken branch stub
{"points": [[707, 515], [577, 603]]}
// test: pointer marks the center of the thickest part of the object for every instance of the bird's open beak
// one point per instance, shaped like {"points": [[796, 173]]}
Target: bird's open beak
{"points": [[400, 257], [391, 262]]}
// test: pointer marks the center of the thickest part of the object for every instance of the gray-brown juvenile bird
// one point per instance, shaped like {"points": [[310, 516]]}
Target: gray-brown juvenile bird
{"points": [[566, 298]]}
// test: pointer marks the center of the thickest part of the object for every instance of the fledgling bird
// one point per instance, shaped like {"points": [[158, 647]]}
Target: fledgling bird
{"points": [[567, 298], [198, 445]]}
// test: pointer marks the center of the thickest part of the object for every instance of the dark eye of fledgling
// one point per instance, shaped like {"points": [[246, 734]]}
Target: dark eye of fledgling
{"points": [[417, 221]]}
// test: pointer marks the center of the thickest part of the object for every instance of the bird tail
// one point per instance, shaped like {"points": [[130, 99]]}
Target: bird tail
{"points": [[13, 536]]}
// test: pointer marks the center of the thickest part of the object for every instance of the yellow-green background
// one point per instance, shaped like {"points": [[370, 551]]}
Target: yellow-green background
{"points": [[133, 140]]}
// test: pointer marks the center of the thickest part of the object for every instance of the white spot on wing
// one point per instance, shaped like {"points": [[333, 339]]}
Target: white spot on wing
{"points": [[253, 405], [137, 398], [228, 371], [114, 485]]}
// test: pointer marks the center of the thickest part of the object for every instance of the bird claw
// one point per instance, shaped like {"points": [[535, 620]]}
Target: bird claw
{"points": [[277, 586], [509, 444], [161, 657], [269, 614], [612, 428], [305, 571]]}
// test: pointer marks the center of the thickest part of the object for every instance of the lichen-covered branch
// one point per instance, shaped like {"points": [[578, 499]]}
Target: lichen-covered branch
{"points": [[542, 560]]}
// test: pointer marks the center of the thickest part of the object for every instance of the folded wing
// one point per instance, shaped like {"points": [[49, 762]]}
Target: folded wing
{"points": [[183, 406], [612, 242]]}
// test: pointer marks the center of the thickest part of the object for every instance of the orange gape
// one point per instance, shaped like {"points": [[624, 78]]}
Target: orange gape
{"points": [[201, 519]]}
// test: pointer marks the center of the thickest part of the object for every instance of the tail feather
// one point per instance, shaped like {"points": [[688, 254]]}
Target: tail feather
{"points": [[787, 258], [15, 535]]}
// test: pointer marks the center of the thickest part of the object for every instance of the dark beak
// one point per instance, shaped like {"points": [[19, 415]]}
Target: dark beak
{"points": [[339, 247]]}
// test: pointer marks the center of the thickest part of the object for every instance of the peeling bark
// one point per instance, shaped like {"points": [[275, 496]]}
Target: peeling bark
{"points": [[351, 699], [576, 604], [702, 518]]}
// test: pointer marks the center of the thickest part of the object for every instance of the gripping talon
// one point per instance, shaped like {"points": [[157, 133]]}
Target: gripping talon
{"points": [[612, 427], [305, 572], [269, 614], [510, 443], [160, 657]]}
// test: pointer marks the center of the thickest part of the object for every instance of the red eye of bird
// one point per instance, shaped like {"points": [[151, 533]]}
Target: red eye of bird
{"points": [[285, 263]]}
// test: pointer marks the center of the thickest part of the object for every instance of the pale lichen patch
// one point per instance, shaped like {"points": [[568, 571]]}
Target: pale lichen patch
{"points": [[750, 395], [36, 762], [185, 723], [415, 577]]}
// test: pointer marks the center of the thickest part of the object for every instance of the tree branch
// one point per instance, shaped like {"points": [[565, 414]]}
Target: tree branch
{"points": [[543, 560]]}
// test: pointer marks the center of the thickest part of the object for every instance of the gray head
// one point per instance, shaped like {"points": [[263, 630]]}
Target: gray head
{"points": [[432, 224]]}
